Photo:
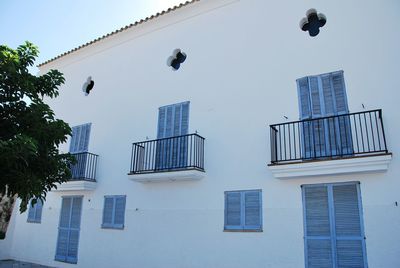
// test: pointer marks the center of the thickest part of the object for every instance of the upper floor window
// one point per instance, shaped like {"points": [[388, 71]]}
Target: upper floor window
{"points": [[35, 212], [80, 138], [243, 210], [320, 98], [114, 211]]}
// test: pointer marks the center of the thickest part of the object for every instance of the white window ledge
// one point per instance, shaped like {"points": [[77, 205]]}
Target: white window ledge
{"points": [[377, 163], [179, 175], [80, 185]]}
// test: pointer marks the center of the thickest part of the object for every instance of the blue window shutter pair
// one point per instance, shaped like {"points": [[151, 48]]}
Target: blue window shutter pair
{"points": [[80, 138], [114, 211], [68, 229], [321, 96], [35, 212], [173, 120], [243, 210], [334, 235]]}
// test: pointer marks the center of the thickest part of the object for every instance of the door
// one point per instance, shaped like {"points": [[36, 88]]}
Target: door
{"points": [[325, 127], [333, 226], [68, 229], [79, 147], [172, 144]]}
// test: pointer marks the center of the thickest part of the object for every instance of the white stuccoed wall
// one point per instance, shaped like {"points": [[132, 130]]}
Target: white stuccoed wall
{"points": [[243, 60]]}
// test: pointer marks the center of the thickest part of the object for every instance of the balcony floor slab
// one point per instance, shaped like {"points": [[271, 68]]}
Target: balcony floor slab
{"points": [[77, 185], [178, 175]]}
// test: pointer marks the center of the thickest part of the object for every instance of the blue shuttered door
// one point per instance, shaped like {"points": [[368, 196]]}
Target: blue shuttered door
{"points": [[69, 229], [79, 145], [333, 226], [173, 121]]}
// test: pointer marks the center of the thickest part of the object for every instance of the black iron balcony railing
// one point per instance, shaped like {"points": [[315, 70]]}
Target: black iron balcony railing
{"points": [[168, 154], [85, 167], [353, 134]]}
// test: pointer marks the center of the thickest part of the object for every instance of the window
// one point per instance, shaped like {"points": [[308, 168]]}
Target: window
{"points": [[35, 212], [79, 147], [243, 211], [326, 128], [114, 211], [173, 121], [333, 225]]}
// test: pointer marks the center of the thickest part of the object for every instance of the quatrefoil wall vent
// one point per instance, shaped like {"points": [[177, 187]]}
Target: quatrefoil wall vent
{"points": [[313, 22], [177, 58], [88, 86]]}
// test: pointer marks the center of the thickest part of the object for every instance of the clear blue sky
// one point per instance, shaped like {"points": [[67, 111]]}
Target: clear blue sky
{"points": [[57, 26]]}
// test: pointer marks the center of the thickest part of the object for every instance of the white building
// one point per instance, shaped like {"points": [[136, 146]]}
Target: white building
{"points": [[262, 189]]}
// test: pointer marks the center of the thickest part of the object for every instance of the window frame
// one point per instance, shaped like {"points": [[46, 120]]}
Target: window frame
{"points": [[35, 211], [243, 227], [113, 225]]}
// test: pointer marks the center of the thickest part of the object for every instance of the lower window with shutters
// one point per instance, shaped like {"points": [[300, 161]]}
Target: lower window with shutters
{"points": [[114, 211], [35, 212], [243, 211], [333, 226]]}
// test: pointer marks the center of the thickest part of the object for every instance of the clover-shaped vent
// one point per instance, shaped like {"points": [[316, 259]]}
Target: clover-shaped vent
{"points": [[313, 22], [88, 86], [177, 58]]}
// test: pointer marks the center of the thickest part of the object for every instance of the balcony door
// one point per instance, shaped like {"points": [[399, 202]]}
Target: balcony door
{"points": [[172, 145], [79, 147], [325, 127]]}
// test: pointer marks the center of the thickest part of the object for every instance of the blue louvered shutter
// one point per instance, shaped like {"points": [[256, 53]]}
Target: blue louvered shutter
{"points": [[75, 223], [108, 212], [68, 230], [334, 236], [63, 229], [350, 243], [119, 214], [173, 121], [252, 210], [80, 138], [233, 211], [317, 227], [38, 211], [31, 212], [306, 128]]}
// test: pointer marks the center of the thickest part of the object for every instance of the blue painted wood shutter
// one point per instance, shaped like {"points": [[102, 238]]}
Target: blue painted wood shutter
{"points": [[321, 96], [334, 235], [243, 210], [79, 146], [35, 212], [69, 229], [114, 212], [80, 138], [173, 121]]}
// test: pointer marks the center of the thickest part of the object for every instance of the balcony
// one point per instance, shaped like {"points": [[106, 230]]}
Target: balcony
{"points": [[83, 173], [341, 144], [169, 159]]}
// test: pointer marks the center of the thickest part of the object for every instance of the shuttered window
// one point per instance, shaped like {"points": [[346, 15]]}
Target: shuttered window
{"points": [[114, 211], [35, 212], [334, 235], [80, 138], [243, 210], [68, 229], [323, 96], [173, 121]]}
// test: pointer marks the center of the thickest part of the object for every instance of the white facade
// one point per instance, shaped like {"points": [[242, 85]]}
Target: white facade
{"points": [[243, 59]]}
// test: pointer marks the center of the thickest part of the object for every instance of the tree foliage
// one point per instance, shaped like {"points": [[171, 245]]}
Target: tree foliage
{"points": [[30, 163]]}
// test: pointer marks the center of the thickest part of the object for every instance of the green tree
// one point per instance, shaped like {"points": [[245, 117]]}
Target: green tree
{"points": [[30, 163]]}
